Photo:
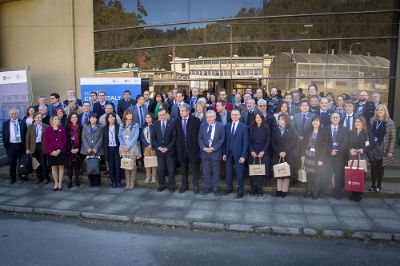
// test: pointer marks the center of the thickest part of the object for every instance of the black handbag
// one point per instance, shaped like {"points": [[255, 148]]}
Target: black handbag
{"points": [[25, 165], [92, 165], [376, 153]]}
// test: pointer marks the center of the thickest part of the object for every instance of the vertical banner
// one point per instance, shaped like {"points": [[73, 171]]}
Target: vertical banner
{"points": [[113, 87], [14, 92]]}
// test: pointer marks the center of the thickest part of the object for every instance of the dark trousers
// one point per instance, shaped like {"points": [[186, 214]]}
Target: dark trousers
{"points": [[211, 168], [73, 166], [335, 165], [317, 180], [94, 180], [166, 164], [114, 164], [377, 172], [239, 170], [194, 166], [14, 153], [41, 171]]}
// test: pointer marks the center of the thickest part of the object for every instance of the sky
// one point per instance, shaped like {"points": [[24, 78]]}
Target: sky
{"points": [[162, 11]]}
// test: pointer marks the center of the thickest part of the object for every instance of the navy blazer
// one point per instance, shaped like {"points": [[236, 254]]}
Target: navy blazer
{"points": [[260, 139], [217, 143], [6, 132], [238, 143], [166, 141], [342, 139]]}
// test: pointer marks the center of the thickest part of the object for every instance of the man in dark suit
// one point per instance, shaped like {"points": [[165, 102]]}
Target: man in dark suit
{"points": [[337, 141], [193, 99], [301, 121], [179, 100], [187, 148], [139, 111], [211, 141], [223, 115], [365, 108], [83, 118], [235, 152], [349, 117], [125, 103], [45, 115], [163, 140], [324, 112], [99, 107], [292, 108], [314, 104], [14, 132], [147, 100]]}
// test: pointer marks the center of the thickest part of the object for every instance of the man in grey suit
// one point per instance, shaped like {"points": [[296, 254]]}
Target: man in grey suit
{"points": [[247, 115], [139, 111], [211, 141], [175, 114], [302, 120]]}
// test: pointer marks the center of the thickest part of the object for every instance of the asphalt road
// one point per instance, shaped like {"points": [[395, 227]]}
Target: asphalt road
{"points": [[46, 240]]}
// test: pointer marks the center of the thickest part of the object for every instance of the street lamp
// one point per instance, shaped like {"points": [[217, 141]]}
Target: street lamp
{"points": [[231, 41], [355, 43]]}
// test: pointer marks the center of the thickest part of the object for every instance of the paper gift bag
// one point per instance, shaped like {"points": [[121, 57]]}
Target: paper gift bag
{"points": [[127, 164], [281, 169], [302, 174], [150, 161], [353, 178], [35, 163], [256, 169]]}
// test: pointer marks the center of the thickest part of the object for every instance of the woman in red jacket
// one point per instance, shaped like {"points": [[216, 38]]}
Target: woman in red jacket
{"points": [[55, 142]]}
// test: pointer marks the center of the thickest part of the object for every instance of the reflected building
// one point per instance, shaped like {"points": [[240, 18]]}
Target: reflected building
{"points": [[331, 72]]}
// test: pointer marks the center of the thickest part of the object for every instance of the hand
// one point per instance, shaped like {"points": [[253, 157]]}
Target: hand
{"points": [[333, 152], [53, 153], [320, 163], [28, 152], [160, 149], [125, 149], [361, 151], [303, 158], [224, 157], [165, 149], [261, 154], [89, 150], [389, 155], [253, 154], [301, 138], [94, 150], [353, 152], [242, 160], [282, 154]]}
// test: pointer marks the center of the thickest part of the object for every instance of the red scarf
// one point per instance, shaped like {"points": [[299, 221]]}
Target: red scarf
{"points": [[75, 130]]}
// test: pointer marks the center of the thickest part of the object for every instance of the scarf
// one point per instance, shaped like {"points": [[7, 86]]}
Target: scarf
{"points": [[75, 130]]}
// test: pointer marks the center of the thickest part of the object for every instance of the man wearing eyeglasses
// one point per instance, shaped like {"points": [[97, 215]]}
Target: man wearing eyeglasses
{"points": [[337, 142]]}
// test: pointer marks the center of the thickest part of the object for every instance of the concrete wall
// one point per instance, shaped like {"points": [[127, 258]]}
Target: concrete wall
{"points": [[54, 38]]}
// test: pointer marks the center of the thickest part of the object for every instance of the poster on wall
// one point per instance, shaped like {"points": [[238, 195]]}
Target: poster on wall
{"points": [[14, 92], [113, 87]]}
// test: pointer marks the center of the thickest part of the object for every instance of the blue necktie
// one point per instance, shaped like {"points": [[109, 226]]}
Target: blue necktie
{"points": [[141, 115], [184, 126], [334, 136]]}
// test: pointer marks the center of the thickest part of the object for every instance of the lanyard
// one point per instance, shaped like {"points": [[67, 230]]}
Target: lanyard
{"points": [[92, 129]]}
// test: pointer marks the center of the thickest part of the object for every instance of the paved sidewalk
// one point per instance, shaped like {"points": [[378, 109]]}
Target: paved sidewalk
{"points": [[376, 218]]}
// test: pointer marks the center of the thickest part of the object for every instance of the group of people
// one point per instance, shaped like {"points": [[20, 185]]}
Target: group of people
{"points": [[212, 135]]}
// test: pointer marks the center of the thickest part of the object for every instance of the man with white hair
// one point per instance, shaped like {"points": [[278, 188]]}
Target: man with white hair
{"points": [[376, 98], [43, 112], [108, 109], [70, 94], [14, 131], [211, 141], [365, 108]]}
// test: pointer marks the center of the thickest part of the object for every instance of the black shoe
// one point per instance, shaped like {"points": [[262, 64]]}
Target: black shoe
{"points": [[70, 184], [283, 194], [278, 193], [260, 194], [196, 190], [12, 181], [182, 189], [205, 192], [55, 189], [216, 193], [159, 189], [315, 196], [172, 189], [77, 183], [239, 195], [228, 192]]}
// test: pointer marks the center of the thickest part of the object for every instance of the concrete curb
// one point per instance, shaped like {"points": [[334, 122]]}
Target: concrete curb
{"points": [[276, 230]]}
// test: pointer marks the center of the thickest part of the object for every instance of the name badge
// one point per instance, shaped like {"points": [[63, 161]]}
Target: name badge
{"points": [[366, 143], [126, 136], [376, 139], [18, 135], [92, 141], [312, 149], [335, 144]]}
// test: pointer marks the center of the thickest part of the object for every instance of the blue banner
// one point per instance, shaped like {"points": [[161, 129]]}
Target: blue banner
{"points": [[113, 87]]}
